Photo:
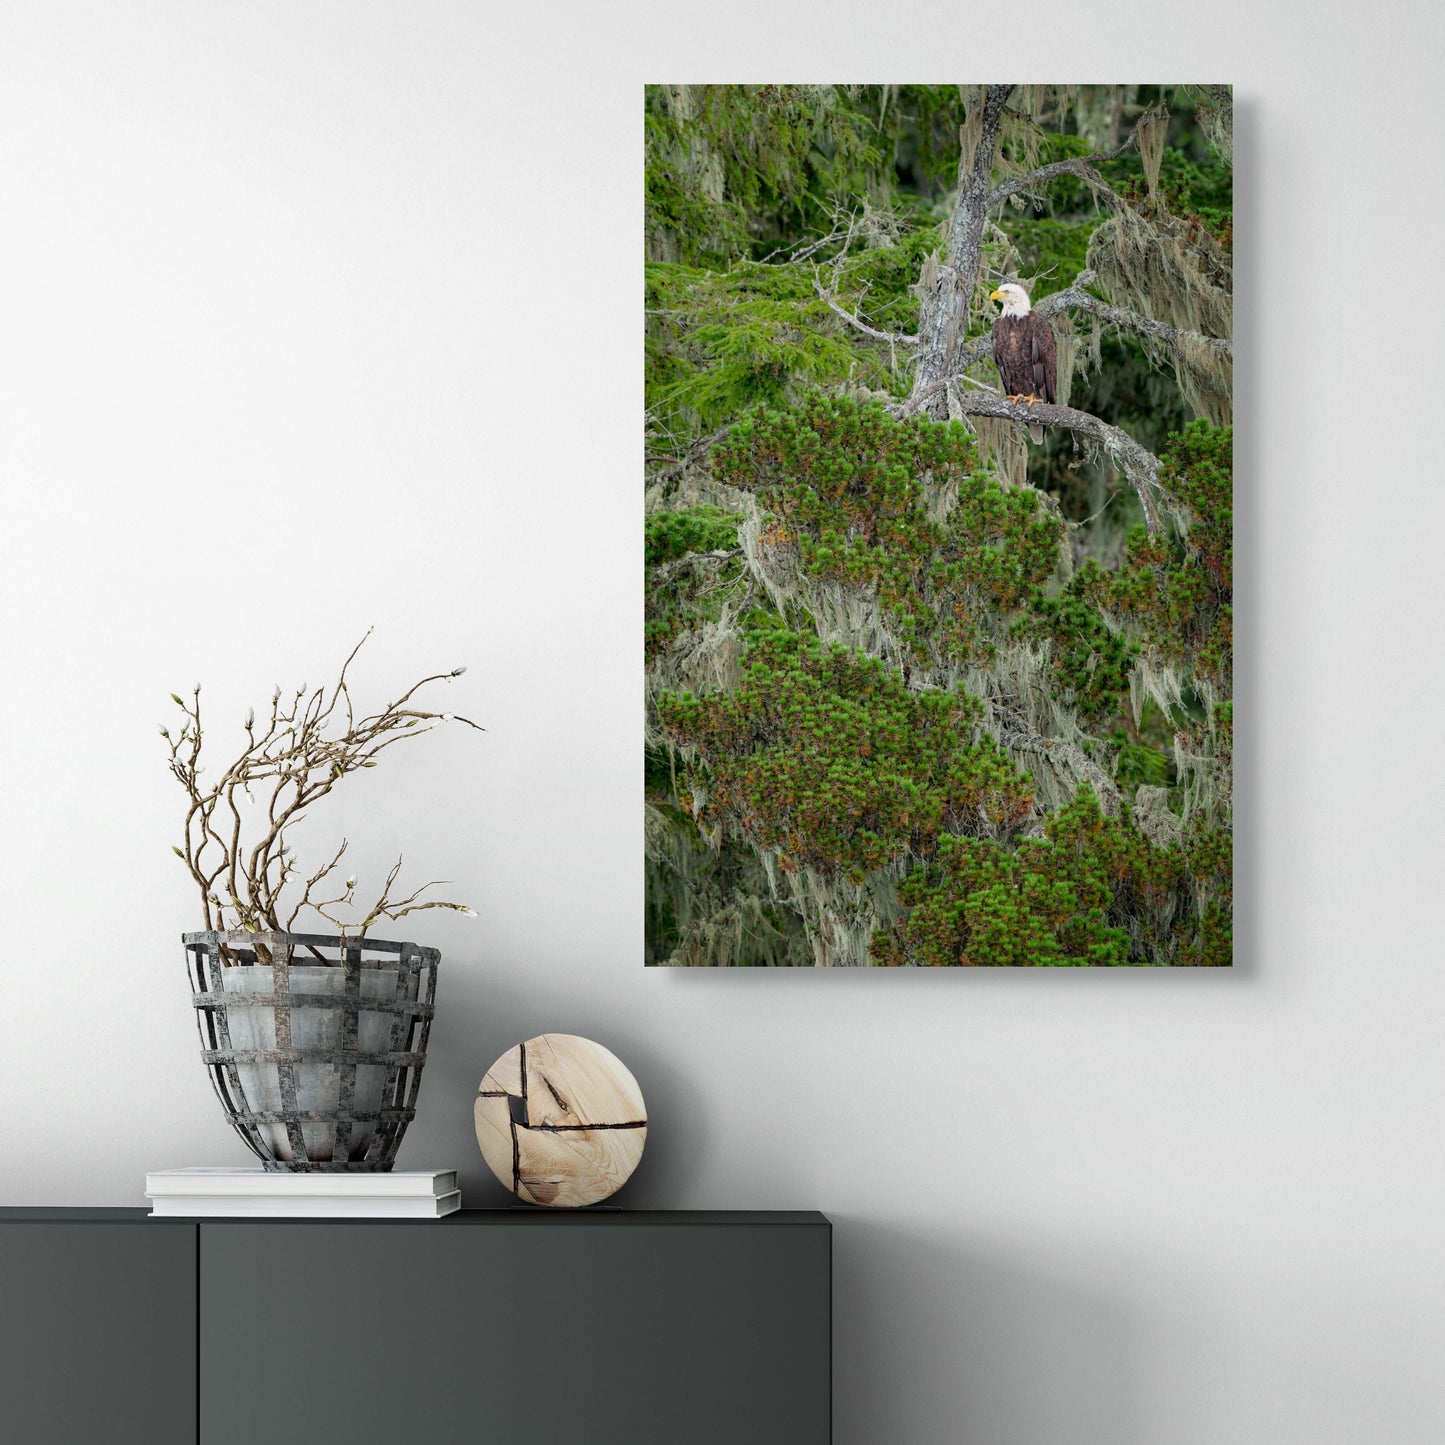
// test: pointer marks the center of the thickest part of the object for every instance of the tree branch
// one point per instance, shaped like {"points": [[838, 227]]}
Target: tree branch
{"points": [[664, 572], [1138, 464], [852, 320], [1081, 166], [980, 349], [1062, 756], [1076, 298], [947, 289], [690, 457]]}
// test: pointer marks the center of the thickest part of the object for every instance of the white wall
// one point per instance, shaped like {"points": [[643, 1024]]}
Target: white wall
{"points": [[317, 316]]}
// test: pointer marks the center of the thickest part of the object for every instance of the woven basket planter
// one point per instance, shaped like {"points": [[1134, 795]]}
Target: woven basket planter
{"points": [[314, 1044]]}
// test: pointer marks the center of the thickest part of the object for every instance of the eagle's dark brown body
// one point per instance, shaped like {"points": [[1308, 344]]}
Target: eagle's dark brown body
{"points": [[1026, 355]]}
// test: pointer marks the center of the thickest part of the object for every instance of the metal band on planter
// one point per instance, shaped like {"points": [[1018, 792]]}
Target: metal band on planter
{"points": [[314, 1043]]}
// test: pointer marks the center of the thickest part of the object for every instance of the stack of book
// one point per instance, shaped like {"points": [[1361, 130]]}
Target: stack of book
{"points": [[253, 1193]]}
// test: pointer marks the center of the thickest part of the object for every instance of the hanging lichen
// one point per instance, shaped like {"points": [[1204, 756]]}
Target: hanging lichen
{"points": [[1215, 113], [1151, 131]]}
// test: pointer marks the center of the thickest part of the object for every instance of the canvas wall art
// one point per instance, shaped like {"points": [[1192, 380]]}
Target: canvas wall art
{"points": [[939, 531]]}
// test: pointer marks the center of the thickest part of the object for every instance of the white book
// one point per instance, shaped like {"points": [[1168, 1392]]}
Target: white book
{"points": [[256, 1194], [260, 1184], [253, 1206]]}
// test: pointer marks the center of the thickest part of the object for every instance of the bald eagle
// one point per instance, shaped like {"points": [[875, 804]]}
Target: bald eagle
{"points": [[1024, 350]]}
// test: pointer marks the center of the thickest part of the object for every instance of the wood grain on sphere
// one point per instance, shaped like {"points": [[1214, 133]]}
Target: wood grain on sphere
{"points": [[560, 1121]]}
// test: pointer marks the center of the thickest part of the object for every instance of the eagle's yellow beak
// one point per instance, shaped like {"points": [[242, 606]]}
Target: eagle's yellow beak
{"points": [[997, 296]]}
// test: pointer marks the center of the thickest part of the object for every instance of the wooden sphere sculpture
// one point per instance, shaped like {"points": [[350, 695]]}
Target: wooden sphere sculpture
{"points": [[560, 1121]]}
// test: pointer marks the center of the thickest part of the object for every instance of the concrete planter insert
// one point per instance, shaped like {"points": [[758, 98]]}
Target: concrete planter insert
{"points": [[315, 1044]]}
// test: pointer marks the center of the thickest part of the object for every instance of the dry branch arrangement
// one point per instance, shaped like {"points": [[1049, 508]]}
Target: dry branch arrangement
{"points": [[237, 826]]}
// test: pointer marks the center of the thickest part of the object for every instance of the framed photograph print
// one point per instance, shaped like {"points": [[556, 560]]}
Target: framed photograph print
{"points": [[939, 530]]}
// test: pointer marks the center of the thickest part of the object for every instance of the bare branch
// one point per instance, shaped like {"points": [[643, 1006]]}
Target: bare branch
{"points": [[386, 907], [313, 740], [1062, 756], [694, 454], [809, 248], [1080, 166], [895, 336], [980, 349], [666, 571], [308, 900]]}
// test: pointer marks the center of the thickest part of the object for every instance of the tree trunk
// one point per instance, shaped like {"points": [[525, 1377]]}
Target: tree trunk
{"points": [[948, 289]]}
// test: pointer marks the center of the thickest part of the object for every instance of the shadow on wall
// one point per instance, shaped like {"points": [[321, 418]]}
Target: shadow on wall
{"points": [[971, 1348], [1250, 678]]}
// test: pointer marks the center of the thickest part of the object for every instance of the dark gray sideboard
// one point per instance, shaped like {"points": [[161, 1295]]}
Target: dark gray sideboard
{"points": [[602, 1326]]}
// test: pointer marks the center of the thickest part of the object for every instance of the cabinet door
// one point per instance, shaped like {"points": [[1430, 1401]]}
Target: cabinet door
{"points": [[97, 1332], [596, 1334]]}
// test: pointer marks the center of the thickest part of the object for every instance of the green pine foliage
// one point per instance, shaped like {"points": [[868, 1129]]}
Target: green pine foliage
{"points": [[688, 598], [1090, 659], [846, 486], [1175, 592], [1092, 891], [1200, 191], [757, 333], [672, 535], [822, 757]]}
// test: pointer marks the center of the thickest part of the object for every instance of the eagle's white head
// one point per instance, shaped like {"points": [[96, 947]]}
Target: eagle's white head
{"points": [[1015, 299]]}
